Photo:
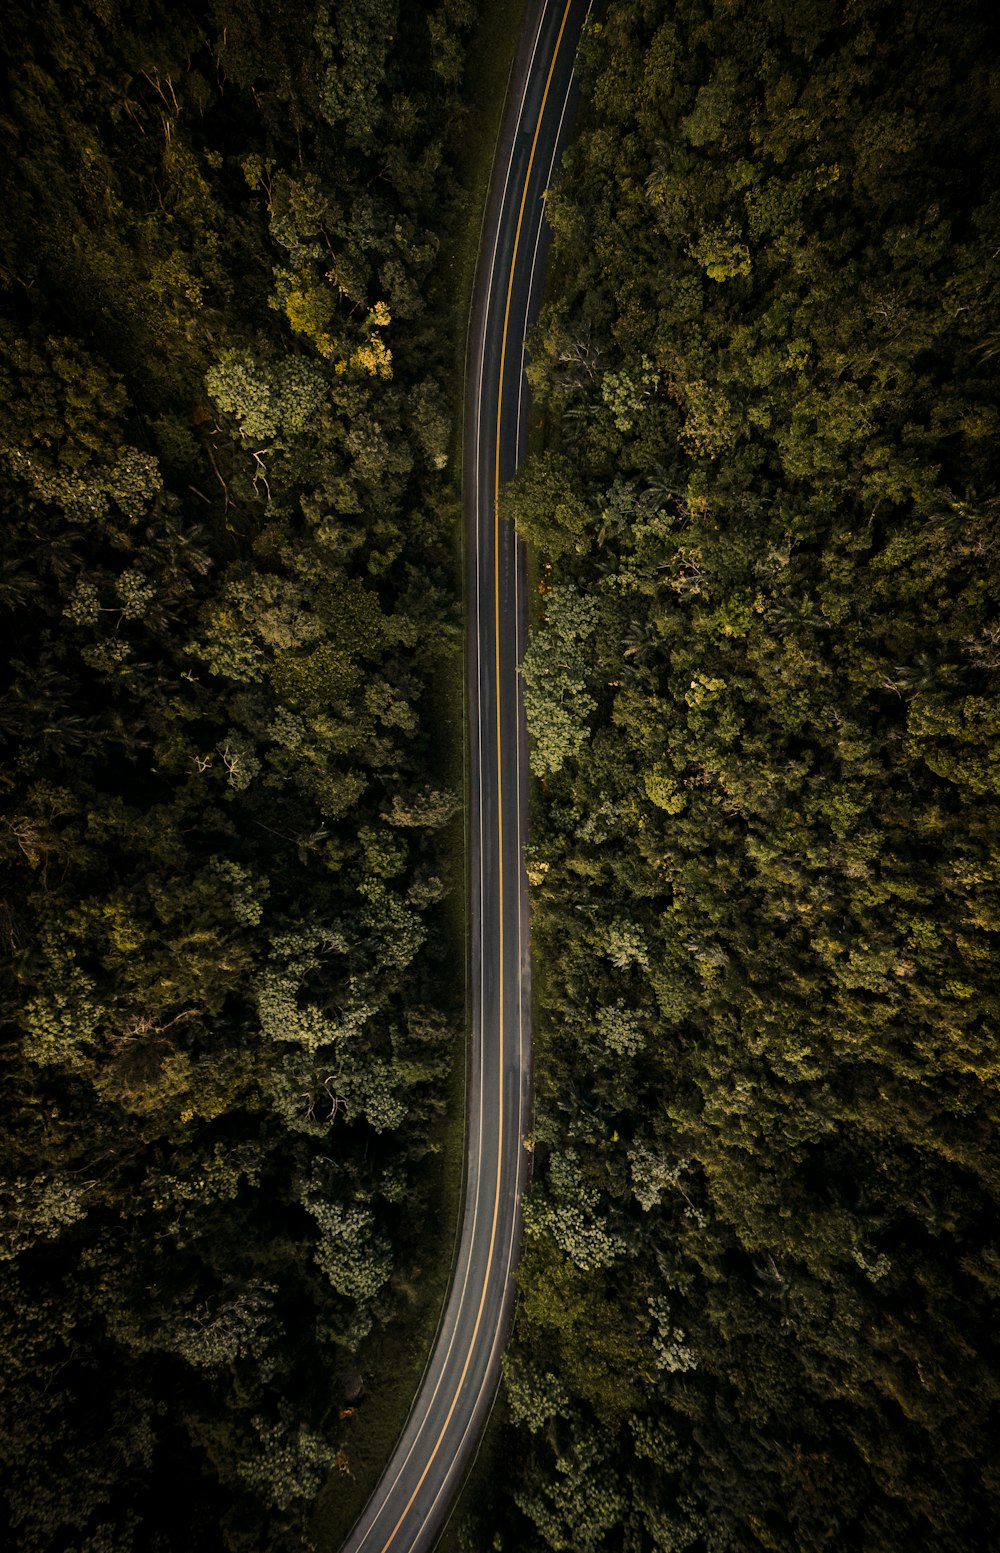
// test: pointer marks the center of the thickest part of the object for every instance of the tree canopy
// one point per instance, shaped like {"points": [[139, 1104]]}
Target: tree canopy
{"points": [[228, 574], [760, 1273]]}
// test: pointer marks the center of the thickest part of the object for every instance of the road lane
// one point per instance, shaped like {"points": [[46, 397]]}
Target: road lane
{"points": [[411, 1502]]}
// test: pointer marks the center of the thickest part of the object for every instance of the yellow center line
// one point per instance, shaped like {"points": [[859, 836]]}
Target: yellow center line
{"points": [[496, 626]]}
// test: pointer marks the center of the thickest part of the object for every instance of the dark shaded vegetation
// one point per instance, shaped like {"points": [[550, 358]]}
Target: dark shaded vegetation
{"points": [[229, 1005], [760, 1280]]}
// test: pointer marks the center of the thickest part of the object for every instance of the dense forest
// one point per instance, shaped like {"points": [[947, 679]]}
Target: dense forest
{"points": [[758, 1295], [760, 1281], [228, 808]]}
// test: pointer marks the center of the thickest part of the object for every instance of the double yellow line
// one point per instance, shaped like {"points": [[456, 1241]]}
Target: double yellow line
{"points": [[496, 583]]}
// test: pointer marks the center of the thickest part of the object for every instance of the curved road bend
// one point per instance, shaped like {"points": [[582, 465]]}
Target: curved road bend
{"points": [[411, 1503]]}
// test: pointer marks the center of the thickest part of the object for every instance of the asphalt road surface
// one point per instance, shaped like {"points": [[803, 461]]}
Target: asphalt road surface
{"points": [[411, 1503]]}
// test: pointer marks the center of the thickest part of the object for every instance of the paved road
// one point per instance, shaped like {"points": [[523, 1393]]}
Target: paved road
{"points": [[410, 1505]]}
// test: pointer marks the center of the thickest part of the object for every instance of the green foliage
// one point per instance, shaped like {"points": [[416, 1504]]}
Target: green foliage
{"points": [[555, 673], [543, 502], [756, 1297], [227, 571]]}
